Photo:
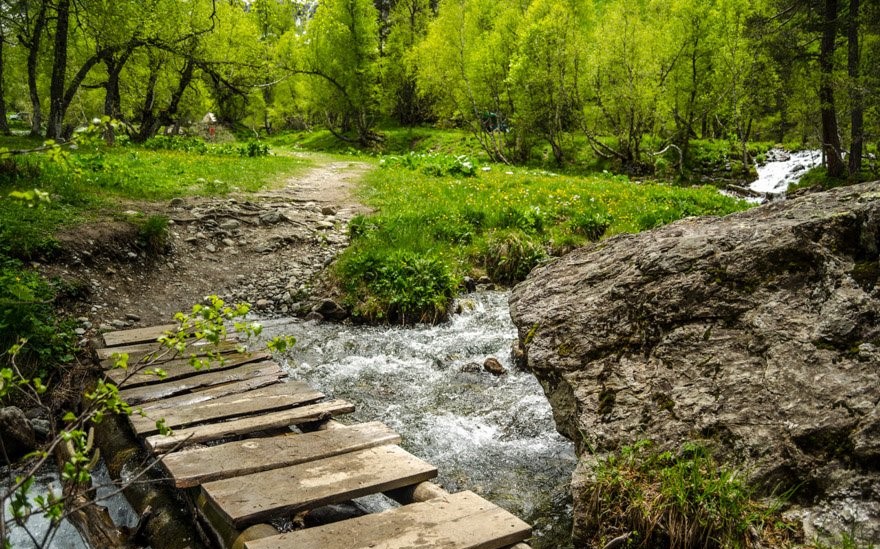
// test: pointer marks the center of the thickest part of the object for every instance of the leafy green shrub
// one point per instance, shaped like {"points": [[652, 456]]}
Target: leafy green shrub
{"points": [[527, 219], [253, 149], [196, 145], [509, 257], [683, 499], [591, 224], [361, 225], [153, 233], [433, 164], [402, 286], [26, 313]]}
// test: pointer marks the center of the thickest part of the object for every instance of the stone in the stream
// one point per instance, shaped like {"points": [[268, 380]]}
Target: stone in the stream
{"points": [[494, 367], [330, 309], [17, 434], [472, 368], [755, 334]]}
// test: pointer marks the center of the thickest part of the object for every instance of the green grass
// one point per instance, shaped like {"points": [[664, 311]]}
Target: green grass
{"points": [[683, 499], [500, 222], [88, 184], [92, 178]]}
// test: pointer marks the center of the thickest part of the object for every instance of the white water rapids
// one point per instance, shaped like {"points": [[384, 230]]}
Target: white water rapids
{"points": [[492, 435], [783, 169]]}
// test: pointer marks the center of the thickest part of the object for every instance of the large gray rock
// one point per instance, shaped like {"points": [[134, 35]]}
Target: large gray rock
{"points": [[16, 434], [758, 333]]}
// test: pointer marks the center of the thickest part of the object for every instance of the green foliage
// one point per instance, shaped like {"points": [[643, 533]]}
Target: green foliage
{"points": [[153, 233], [436, 164], [496, 223], [196, 145], [509, 256], [684, 499], [397, 285], [27, 313]]}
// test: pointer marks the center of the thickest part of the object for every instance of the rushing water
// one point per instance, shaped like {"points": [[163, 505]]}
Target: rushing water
{"points": [[492, 435], [66, 536], [783, 169]]}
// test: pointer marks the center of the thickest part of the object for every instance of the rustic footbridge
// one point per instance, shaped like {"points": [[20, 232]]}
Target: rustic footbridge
{"points": [[250, 446]]}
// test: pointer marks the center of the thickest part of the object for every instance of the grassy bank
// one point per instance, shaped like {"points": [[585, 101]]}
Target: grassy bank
{"points": [[442, 218], [93, 183]]}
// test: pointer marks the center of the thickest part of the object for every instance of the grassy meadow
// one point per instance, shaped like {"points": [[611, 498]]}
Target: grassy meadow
{"points": [[441, 217]]}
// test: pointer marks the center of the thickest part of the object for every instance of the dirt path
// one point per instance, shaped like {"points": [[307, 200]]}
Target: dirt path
{"points": [[267, 248]]}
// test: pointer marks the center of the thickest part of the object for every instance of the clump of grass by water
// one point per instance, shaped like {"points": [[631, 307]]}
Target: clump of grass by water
{"points": [[499, 223], [679, 500]]}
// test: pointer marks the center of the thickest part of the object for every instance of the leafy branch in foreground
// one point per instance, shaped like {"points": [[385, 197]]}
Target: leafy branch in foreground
{"points": [[199, 336]]}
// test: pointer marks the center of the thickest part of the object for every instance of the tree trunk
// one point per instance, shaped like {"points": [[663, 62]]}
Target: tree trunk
{"points": [[857, 113], [113, 97], [59, 72], [4, 126], [32, 62], [151, 121], [830, 133]]}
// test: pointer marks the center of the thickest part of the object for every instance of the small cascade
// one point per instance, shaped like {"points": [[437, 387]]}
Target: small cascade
{"points": [[782, 169]]}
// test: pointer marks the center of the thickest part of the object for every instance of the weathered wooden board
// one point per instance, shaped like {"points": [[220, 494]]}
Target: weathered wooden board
{"points": [[137, 352], [257, 497], [266, 399], [159, 407], [138, 335], [178, 369], [233, 459], [209, 378], [457, 521], [245, 425]]}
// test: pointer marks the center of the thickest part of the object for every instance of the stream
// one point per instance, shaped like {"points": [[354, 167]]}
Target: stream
{"points": [[492, 435], [782, 169]]}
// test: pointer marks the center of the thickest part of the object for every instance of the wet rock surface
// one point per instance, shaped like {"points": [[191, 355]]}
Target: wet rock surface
{"points": [[758, 333], [17, 436]]}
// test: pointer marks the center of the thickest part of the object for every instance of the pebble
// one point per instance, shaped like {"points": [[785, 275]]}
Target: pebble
{"points": [[133, 317], [79, 331], [132, 255], [328, 210], [230, 224], [118, 324], [211, 248], [228, 242]]}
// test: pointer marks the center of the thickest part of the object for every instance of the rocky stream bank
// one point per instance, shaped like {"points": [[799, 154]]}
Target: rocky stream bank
{"points": [[757, 334]]}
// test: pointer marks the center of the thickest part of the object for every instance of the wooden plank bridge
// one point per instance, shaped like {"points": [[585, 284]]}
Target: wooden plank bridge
{"points": [[250, 446]]}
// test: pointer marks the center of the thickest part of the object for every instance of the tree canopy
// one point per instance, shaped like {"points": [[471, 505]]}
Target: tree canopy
{"points": [[625, 79]]}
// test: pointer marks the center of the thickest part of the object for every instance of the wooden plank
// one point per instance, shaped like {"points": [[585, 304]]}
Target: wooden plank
{"points": [[193, 467], [457, 521], [138, 335], [178, 369], [245, 425], [266, 399], [259, 497], [209, 378], [158, 407], [137, 352]]}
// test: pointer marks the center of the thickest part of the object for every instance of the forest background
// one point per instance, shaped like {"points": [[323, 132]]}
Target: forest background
{"points": [[632, 85]]}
